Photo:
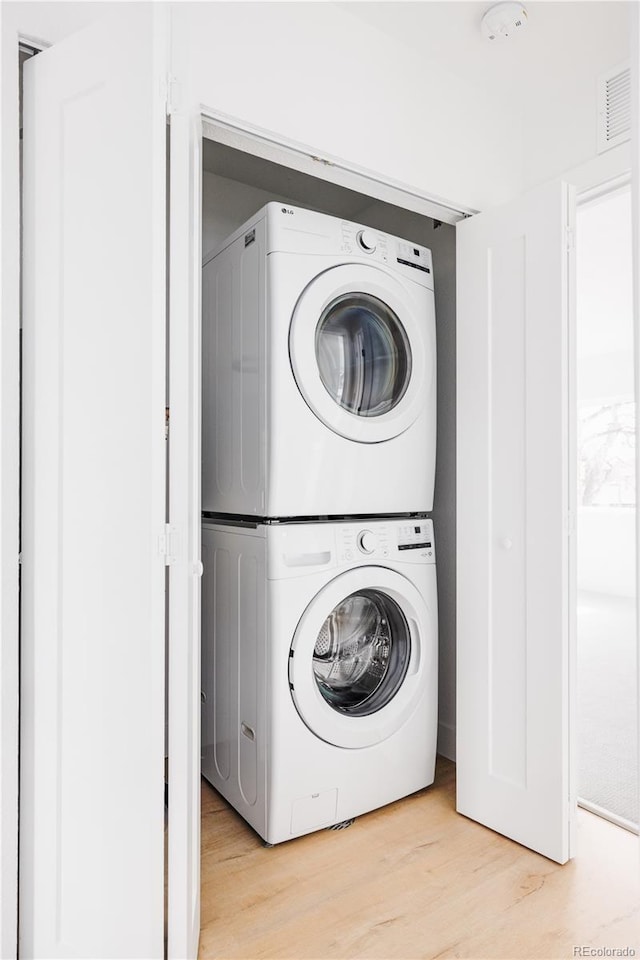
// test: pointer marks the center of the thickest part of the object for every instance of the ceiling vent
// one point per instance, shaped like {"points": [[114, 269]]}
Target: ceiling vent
{"points": [[614, 107]]}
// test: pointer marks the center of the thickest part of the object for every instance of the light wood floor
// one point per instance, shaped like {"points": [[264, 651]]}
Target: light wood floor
{"points": [[413, 880]]}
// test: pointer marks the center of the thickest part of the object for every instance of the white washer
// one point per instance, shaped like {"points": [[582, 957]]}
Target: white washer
{"points": [[319, 370], [319, 669]]}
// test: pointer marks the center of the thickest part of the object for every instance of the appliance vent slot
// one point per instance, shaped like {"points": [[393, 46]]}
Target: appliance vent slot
{"points": [[614, 107]]}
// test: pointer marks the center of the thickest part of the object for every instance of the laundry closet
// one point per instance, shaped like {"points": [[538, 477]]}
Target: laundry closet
{"points": [[101, 676], [336, 509]]}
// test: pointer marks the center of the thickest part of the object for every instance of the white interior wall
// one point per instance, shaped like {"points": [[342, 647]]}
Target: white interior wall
{"points": [[604, 298], [606, 535], [317, 74], [559, 99], [607, 551], [541, 82], [226, 205]]}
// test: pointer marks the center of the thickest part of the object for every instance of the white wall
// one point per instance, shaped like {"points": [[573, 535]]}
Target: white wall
{"points": [[559, 99], [607, 550], [318, 74], [540, 84], [604, 298], [226, 204], [604, 322]]}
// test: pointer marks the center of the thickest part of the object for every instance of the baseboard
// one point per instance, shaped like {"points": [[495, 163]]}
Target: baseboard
{"points": [[447, 740]]}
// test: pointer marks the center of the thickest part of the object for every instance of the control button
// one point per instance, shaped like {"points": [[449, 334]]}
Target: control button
{"points": [[348, 555], [367, 240], [367, 541]]}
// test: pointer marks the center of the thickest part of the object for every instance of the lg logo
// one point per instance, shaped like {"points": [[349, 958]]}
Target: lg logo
{"points": [[284, 210]]}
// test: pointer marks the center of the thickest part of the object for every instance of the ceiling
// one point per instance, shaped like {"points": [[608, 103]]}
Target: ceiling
{"points": [[557, 33]]}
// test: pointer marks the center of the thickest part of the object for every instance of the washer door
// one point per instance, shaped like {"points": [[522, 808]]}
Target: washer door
{"points": [[357, 349], [358, 657]]}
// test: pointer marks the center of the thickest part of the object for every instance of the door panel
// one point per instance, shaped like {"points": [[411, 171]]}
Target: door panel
{"points": [[93, 643], [514, 500], [360, 351], [329, 668]]}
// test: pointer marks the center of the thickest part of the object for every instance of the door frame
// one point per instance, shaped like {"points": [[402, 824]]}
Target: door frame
{"points": [[270, 145]]}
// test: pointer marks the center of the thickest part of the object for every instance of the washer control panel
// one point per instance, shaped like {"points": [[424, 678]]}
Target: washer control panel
{"points": [[416, 536], [367, 240], [410, 541], [367, 541]]}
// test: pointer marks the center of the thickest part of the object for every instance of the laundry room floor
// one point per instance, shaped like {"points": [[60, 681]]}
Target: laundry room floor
{"points": [[412, 880]]}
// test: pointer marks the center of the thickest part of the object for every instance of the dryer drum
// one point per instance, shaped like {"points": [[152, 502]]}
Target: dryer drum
{"points": [[363, 354], [362, 653]]}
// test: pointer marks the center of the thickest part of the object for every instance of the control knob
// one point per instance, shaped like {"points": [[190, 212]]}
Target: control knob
{"points": [[367, 240], [367, 541]]}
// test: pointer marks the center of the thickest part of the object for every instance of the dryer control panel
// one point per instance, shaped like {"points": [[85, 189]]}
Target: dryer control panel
{"points": [[296, 230], [411, 259]]}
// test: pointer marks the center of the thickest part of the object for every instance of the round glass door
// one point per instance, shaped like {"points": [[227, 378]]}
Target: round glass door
{"points": [[363, 354], [362, 351], [361, 653]]}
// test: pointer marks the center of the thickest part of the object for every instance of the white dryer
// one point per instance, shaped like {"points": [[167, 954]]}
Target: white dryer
{"points": [[319, 669], [319, 370]]}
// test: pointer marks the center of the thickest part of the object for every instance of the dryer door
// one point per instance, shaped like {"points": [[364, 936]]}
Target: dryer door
{"points": [[359, 655], [362, 351]]}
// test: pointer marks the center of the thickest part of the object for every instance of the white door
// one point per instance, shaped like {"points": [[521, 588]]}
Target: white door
{"points": [[93, 589], [185, 568], [361, 352], [514, 502]]}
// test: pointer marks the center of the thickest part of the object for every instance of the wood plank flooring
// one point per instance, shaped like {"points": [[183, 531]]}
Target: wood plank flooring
{"points": [[413, 880]]}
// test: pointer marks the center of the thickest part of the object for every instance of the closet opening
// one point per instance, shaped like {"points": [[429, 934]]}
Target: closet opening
{"points": [[235, 186]]}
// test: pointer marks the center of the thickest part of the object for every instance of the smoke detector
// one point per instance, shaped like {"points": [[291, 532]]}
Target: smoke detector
{"points": [[504, 20]]}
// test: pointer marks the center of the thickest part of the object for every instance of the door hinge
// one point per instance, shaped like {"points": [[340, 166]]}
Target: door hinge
{"points": [[167, 418], [172, 94], [570, 523], [570, 238], [322, 160], [168, 544]]}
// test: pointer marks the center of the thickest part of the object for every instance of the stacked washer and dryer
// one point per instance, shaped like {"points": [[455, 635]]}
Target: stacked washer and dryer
{"points": [[319, 631]]}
